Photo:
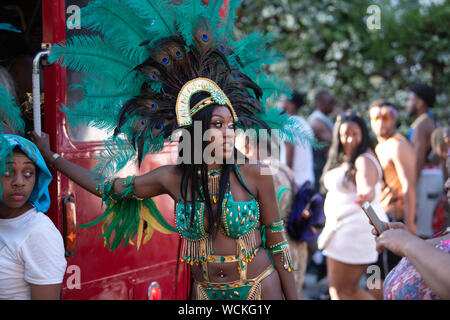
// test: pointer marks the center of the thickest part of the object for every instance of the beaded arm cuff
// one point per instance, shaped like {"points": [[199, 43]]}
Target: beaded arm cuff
{"points": [[283, 248], [277, 226], [126, 217]]}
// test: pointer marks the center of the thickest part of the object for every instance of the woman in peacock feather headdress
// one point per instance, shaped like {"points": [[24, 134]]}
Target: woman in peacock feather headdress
{"points": [[159, 67]]}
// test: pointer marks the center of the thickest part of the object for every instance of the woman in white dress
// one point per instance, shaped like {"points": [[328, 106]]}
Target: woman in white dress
{"points": [[351, 176]]}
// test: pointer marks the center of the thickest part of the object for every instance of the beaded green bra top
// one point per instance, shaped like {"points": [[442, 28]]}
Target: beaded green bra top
{"points": [[239, 219]]}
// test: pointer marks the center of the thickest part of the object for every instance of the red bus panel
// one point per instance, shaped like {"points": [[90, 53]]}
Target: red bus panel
{"points": [[94, 271]]}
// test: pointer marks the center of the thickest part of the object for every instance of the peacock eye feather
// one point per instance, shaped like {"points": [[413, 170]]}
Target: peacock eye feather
{"points": [[154, 105], [165, 60], [159, 126], [178, 54], [222, 48], [205, 37], [143, 122]]}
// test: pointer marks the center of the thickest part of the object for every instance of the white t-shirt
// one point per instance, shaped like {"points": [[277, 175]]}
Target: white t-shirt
{"points": [[31, 252], [302, 163]]}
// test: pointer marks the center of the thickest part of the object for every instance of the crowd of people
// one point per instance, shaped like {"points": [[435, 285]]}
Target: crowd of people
{"points": [[402, 178]]}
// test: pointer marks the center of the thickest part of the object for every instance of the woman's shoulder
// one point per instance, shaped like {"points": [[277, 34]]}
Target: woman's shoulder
{"points": [[170, 169], [367, 157], [40, 230], [42, 225], [258, 176], [254, 169], [368, 161], [167, 174]]}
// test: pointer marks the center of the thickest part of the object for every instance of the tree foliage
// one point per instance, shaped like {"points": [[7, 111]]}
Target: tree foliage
{"points": [[328, 44]]}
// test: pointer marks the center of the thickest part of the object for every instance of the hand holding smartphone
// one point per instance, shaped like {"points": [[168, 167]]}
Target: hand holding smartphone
{"points": [[373, 217]]}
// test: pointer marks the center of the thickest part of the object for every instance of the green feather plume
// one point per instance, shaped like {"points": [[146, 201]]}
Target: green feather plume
{"points": [[92, 55], [102, 100], [272, 88], [118, 153], [10, 113], [192, 12], [290, 129], [227, 24], [213, 14], [159, 17], [118, 24]]}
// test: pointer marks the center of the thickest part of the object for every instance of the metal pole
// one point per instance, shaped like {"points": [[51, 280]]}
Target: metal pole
{"points": [[37, 91]]}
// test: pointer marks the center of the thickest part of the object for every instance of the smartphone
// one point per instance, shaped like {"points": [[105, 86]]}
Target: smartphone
{"points": [[373, 217]]}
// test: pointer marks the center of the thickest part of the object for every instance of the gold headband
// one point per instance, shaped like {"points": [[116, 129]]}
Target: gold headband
{"points": [[184, 112]]}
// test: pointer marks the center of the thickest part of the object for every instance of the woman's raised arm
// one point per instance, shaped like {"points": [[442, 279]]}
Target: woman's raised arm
{"points": [[366, 177], [146, 186]]}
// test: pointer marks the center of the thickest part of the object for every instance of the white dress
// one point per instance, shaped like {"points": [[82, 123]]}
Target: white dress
{"points": [[353, 241]]}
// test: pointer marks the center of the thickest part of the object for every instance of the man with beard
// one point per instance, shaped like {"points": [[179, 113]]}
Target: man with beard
{"points": [[429, 178]]}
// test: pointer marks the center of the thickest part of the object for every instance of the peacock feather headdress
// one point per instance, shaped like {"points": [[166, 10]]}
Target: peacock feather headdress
{"points": [[142, 56]]}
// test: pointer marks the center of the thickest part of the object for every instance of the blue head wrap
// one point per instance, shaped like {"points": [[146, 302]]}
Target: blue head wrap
{"points": [[39, 197]]}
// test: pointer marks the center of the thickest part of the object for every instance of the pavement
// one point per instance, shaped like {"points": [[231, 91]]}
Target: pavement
{"points": [[314, 289]]}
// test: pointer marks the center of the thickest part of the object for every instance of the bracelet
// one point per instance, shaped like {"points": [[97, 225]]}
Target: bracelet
{"points": [[129, 186], [106, 189], [55, 156], [283, 248], [277, 226], [278, 247]]}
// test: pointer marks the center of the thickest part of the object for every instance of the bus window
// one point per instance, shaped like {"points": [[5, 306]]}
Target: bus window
{"points": [[79, 133]]}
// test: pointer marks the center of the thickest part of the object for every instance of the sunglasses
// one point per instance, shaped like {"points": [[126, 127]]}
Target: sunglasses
{"points": [[382, 113]]}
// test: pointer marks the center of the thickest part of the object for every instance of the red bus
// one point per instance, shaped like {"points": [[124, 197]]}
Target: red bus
{"points": [[94, 271]]}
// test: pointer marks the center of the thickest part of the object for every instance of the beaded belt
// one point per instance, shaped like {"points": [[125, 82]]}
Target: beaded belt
{"points": [[248, 289]]}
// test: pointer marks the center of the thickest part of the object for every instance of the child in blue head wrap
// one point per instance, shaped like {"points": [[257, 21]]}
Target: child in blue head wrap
{"points": [[32, 262], [39, 196]]}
